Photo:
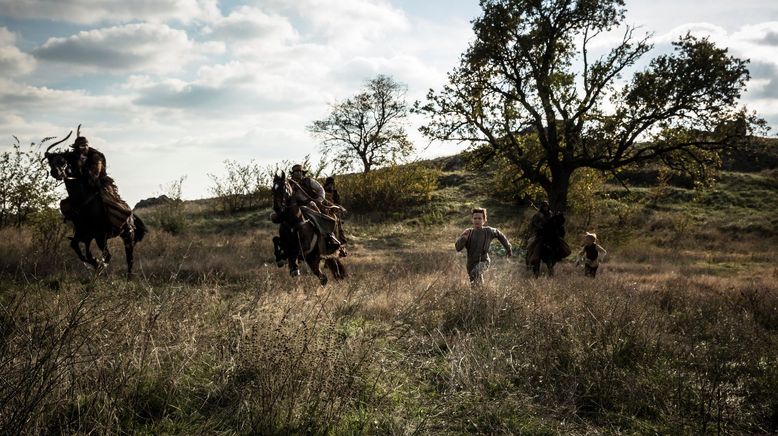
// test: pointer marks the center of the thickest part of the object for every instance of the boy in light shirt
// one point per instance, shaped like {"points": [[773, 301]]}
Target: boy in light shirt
{"points": [[477, 241]]}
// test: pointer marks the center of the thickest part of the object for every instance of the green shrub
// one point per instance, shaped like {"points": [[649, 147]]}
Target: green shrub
{"points": [[170, 214], [48, 229], [388, 189]]}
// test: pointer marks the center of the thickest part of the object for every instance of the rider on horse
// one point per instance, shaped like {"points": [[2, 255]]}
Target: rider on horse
{"points": [[309, 193], [332, 197], [90, 168], [536, 226]]}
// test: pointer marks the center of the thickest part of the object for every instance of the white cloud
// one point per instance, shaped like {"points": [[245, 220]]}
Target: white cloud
{"points": [[17, 97], [698, 30], [91, 11], [13, 62], [131, 47], [249, 23], [348, 23], [222, 90]]}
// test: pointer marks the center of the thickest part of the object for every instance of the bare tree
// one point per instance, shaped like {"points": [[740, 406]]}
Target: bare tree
{"points": [[368, 128]]}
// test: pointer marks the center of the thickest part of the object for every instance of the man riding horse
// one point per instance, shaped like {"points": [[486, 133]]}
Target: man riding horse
{"points": [[308, 192], [546, 242], [536, 226], [90, 168], [310, 196], [93, 204]]}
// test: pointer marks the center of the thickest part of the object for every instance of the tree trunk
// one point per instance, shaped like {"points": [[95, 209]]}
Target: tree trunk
{"points": [[365, 164], [560, 185]]}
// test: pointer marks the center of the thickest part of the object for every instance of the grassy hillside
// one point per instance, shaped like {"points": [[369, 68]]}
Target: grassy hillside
{"points": [[678, 334]]}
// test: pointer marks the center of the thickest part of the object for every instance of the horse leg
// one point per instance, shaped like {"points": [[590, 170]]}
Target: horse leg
{"points": [[313, 259], [74, 244], [336, 267], [278, 251], [90, 258], [536, 268], [100, 263], [102, 244], [294, 269], [550, 266], [129, 244]]}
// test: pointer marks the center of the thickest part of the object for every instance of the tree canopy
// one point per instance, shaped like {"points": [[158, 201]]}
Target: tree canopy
{"points": [[368, 128], [529, 91]]}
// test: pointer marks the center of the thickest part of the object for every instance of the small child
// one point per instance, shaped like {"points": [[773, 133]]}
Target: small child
{"points": [[591, 253], [477, 241]]}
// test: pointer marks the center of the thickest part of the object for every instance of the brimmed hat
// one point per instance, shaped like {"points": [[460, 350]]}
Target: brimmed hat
{"points": [[592, 234]]}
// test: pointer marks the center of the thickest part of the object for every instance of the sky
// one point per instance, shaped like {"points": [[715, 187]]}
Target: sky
{"points": [[173, 88]]}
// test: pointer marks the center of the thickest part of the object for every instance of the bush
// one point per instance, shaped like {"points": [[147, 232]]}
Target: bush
{"points": [[25, 187], [170, 214], [48, 229], [243, 187], [388, 189]]}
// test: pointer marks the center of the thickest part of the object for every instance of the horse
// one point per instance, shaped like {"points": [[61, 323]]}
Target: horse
{"points": [[553, 247], [298, 238], [90, 221]]}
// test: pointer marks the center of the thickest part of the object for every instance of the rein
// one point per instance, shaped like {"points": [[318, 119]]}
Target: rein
{"points": [[301, 189]]}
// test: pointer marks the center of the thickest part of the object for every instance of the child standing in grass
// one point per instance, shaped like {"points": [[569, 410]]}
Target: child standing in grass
{"points": [[477, 241], [590, 255]]}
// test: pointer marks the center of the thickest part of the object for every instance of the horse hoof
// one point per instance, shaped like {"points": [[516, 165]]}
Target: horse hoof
{"points": [[323, 280], [280, 263], [295, 273]]}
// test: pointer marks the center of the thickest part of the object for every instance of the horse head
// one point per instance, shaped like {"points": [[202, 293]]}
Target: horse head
{"points": [[58, 162], [282, 192]]}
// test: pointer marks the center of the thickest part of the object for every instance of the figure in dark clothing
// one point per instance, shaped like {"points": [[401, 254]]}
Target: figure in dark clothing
{"points": [[90, 167], [335, 209], [331, 192], [536, 226]]}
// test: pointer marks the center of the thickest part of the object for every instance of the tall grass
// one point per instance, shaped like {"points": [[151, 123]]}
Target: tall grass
{"points": [[213, 338]]}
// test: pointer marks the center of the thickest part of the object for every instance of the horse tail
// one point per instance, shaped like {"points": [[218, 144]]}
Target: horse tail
{"points": [[336, 267], [140, 228]]}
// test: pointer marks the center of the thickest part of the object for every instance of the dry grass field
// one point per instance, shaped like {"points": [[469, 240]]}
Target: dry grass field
{"points": [[678, 333]]}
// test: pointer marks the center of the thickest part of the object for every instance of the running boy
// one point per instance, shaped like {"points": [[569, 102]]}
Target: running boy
{"points": [[477, 240]]}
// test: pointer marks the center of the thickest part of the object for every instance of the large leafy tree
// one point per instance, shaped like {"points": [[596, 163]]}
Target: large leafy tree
{"points": [[367, 129], [528, 91]]}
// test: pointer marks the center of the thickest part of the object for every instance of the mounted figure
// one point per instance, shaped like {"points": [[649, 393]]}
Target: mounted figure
{"points": [[536, 225], [336, 210], [546, 242], [304, 232], [93, 204]]}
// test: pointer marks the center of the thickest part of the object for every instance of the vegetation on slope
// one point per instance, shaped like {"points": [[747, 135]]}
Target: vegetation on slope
{"points": [[679, 333]]}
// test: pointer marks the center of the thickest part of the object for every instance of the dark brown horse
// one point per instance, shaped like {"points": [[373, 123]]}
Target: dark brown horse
{"points": [[553, 247], [90, 222], [298, 237]]}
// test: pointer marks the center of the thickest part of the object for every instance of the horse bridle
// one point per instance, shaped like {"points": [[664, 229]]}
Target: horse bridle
{"points": [[286, 198]]}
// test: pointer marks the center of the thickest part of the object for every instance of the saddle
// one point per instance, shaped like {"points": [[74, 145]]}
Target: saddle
{"points": [[324, 225]]}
